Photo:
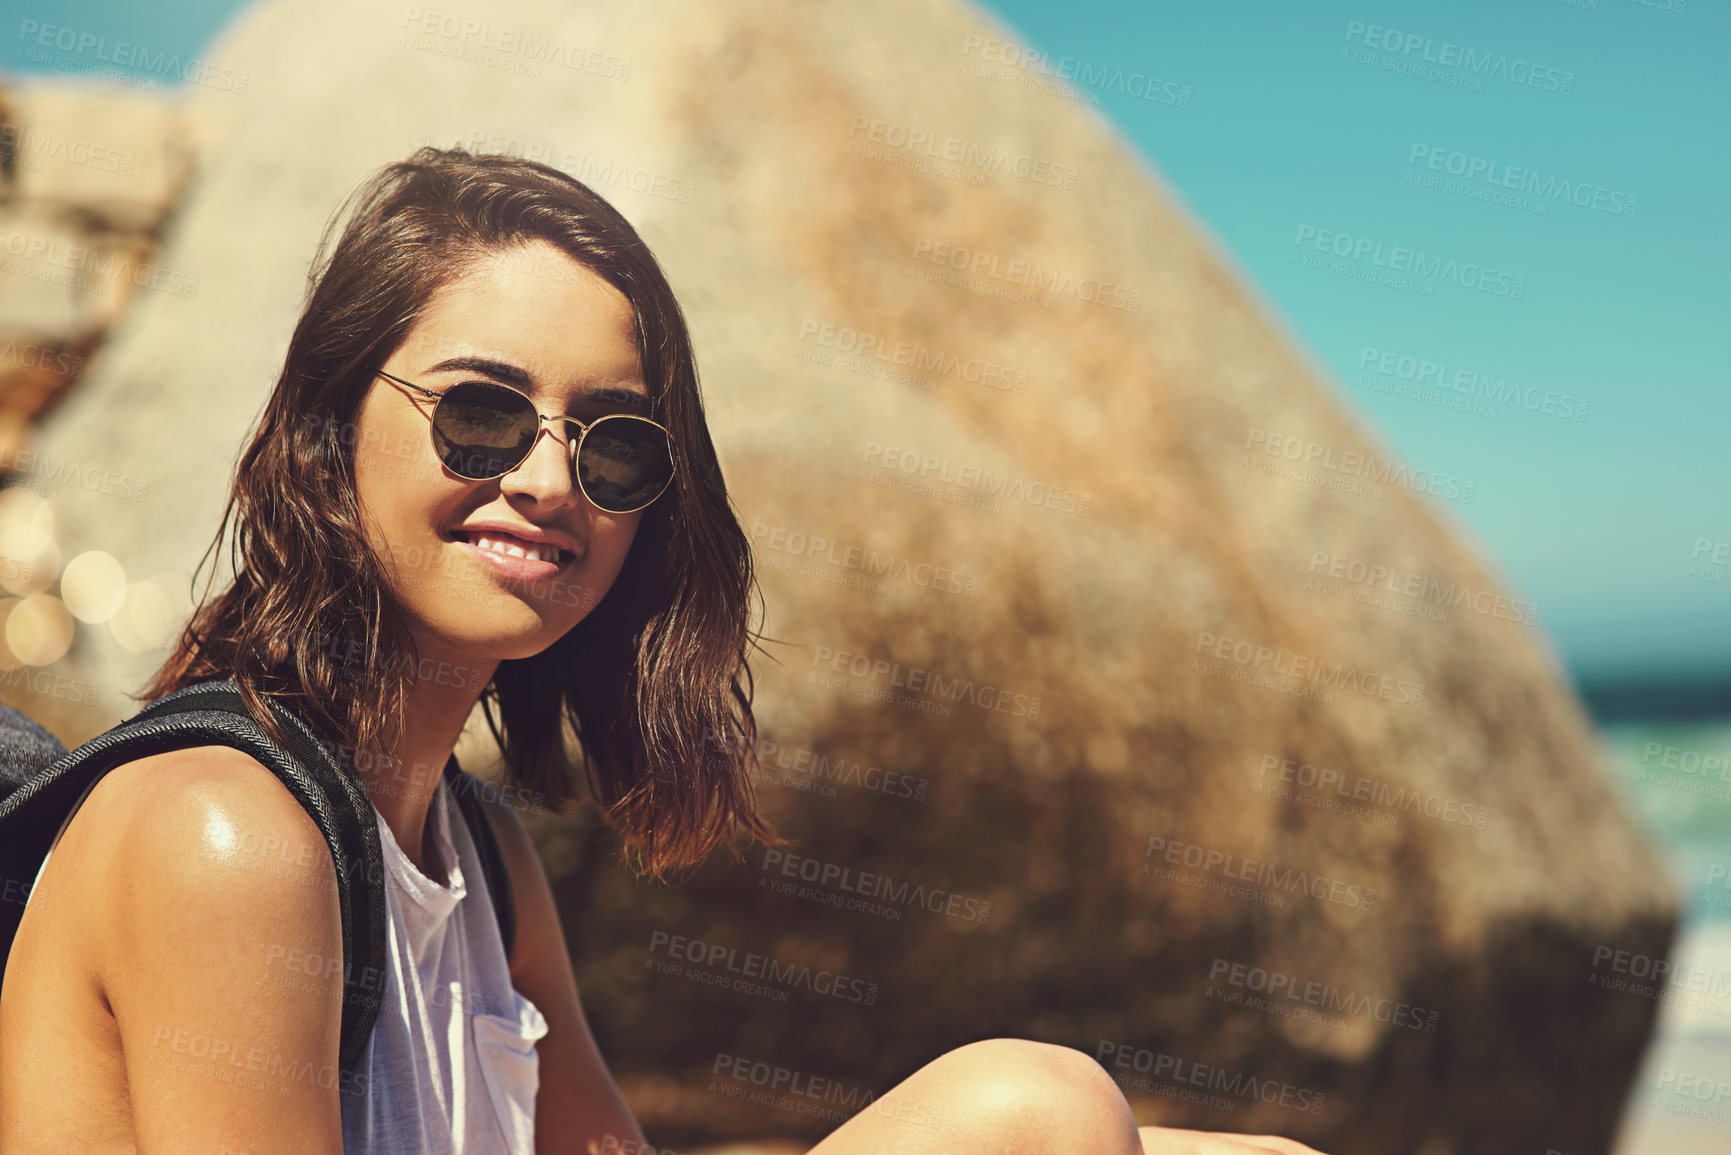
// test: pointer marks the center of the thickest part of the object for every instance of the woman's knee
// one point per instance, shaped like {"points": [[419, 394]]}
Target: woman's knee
{"points": [[1051, 1098]]}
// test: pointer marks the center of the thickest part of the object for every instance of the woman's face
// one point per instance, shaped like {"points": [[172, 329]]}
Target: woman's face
{"points": [[537, 320]]}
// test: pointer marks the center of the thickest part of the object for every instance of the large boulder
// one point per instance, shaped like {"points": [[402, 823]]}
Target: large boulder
{"points": [[1128, 694]]}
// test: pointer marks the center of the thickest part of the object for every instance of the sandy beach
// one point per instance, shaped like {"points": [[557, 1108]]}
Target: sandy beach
{"points": [[1681, 1104]]}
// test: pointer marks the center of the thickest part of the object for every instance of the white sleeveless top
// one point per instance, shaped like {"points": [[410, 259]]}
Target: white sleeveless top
{"points": [[451, 1066]]}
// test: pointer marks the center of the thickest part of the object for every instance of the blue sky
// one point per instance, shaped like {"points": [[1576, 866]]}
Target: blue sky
{"points": [[1595, 519], [1307, 116]]}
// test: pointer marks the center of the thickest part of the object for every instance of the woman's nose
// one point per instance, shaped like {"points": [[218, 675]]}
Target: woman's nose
{"points": [[546, 473]]}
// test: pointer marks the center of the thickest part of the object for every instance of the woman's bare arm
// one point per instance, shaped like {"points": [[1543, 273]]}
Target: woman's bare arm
{"points": [[214, 922], [578, 1106]]}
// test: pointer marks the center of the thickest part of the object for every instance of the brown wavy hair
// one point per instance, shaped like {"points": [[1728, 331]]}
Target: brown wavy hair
{"points": [[654, 682]]}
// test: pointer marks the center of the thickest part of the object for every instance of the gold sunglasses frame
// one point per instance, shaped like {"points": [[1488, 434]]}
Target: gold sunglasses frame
{"points": [[575, 443]]}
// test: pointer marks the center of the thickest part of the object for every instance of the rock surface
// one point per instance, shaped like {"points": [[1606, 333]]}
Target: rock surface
{"points": [[1099, 719], [87, 175]]}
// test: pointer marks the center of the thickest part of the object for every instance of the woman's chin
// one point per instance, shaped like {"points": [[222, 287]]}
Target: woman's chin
{"points": [[474, 639], [479, 649]]}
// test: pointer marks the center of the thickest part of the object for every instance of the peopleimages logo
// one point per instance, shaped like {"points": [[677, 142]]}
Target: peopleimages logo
{"points": [[1277, 985], [815, 770], [1009, 487], [1478, 168], [87, 266], [21, 143], [1408, 584], [1268, 875], [864, 560], [753, 965], [842, 880], [528, 44], [1233, 1087], [1358, 788], [1485, 65], [34, 37], [1352, 463], [1309, 669], [27, 465], [1686, 760], [966, 152], [591, 170], [915, 356], [1501, 391], [34, 355], [1400, 259], [931, 684], [1084, 76], [975, 262]]}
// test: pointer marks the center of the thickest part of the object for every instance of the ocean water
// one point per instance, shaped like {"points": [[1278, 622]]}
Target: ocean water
{"points": [[1677, 780]]}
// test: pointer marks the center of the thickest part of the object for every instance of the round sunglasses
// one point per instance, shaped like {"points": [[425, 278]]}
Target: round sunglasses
{"points": [[482, 430]]}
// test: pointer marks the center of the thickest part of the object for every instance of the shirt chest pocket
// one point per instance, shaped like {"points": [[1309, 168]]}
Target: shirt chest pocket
{"points": [[510, 1067]]}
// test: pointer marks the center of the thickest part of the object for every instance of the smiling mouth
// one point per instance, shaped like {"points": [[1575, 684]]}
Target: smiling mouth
{"points": [[507, 546]]}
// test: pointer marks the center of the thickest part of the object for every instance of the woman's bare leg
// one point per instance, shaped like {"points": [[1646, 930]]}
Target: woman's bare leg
{"points": [[1018, 1097], [1173, 1141], [997, 1097]]}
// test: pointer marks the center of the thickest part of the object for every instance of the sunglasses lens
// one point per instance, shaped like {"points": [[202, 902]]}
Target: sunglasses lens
{"points": [[481, 430], [625, 464]]}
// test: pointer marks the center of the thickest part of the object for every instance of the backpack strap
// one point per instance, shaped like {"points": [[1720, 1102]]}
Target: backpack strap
{"points": [[464, 787], [210, 714], [467, 790], [214, 713]]}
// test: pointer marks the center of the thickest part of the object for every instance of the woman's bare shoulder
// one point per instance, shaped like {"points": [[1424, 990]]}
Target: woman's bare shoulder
{"points": [[213, 799], [206, 826], [208, 903]]}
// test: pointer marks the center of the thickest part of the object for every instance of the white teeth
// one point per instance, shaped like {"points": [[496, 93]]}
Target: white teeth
{"points": [[512, 549]]}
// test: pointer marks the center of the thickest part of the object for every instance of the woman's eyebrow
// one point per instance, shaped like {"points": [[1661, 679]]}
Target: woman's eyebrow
{"points": [[523, 379], [502, 370]]}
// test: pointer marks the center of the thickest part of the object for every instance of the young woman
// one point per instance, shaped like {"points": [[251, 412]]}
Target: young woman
{"points": [[483, 475]]}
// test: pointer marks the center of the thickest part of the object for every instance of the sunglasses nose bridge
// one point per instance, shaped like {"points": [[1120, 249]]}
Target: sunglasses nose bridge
{"points": [[568, 438], [573, 429]]}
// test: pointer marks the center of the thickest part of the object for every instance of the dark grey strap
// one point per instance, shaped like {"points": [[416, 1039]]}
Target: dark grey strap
{"points": [[206, 714]]}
